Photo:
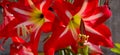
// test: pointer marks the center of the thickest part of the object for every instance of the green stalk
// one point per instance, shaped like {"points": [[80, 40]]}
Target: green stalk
{"points": [[83, 51], [66, 51], [60, 52]]}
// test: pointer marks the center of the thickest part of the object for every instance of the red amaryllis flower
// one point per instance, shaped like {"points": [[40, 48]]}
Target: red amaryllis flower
{"points": [[8, 29], [36, 14], [9, 21], [7, 17], [21, 47], [28, 14], [33, 13], [93, 17]]}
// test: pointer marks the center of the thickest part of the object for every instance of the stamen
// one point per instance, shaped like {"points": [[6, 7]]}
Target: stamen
{"points": [[23, 31], [83, 38], [18, 31]]}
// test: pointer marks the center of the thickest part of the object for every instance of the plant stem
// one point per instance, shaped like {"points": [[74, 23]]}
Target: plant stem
{"points": [[83, 51]]}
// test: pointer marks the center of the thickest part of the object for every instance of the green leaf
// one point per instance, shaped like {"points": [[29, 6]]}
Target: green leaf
{"points": [[115, 50], [117, 45]]}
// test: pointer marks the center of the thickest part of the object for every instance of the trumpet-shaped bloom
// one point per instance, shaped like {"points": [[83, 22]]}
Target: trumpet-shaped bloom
{"points": [[90, 14], [26, 16], [21, 47], [33, 13], [93, 18], [68, 20]]}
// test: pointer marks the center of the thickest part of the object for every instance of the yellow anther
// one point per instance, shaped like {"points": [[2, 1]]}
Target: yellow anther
{"points": [[83, 38]]}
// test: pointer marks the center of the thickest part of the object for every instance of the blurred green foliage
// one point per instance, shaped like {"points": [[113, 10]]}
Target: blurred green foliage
{"points": [[116, 49]]}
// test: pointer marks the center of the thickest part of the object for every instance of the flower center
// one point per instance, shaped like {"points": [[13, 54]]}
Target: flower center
{"points": [[41, 16], [83, 38], [37, 16]]}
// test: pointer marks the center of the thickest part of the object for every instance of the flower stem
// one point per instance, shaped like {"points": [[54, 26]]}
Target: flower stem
{"points": [[83, 49]]}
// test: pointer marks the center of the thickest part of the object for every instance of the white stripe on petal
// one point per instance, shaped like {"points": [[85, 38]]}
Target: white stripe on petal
{"points": [[47, 20], [24, 23], [17, 39], [84, 6], [42, 4], [9, 15], [37, 32], [64, 32], [69, 15], [92, 30], [93, 17], [30, 3], [21, 11], [74, 33]]}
